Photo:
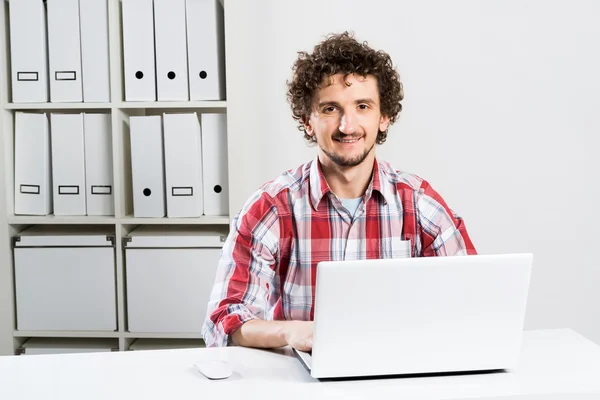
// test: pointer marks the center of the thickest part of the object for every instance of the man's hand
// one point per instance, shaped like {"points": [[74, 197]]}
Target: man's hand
{"points": [[271, 334], [299, 334]]}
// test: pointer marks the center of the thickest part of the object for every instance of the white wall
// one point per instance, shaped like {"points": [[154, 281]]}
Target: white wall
{"points": [[501, 116]]}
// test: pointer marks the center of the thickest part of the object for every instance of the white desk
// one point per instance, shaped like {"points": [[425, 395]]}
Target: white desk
{"points": [[552, 361]]}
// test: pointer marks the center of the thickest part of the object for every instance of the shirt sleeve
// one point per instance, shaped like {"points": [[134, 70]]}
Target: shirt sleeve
{"points": [[443, 232], [245, 274]]}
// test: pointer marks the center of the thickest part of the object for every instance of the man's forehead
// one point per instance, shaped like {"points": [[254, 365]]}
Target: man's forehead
{"points": [[356, 86]]}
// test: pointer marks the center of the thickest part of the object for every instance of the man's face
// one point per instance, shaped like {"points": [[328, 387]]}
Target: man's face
{"points": [[346, 119]]}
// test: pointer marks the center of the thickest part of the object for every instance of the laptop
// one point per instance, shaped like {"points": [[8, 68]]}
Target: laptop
{"points": [[426, 315]]}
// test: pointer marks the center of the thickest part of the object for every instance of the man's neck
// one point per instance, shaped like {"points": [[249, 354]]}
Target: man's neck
{"points": [[348, 182]]}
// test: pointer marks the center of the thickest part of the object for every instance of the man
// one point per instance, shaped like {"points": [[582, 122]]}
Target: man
{"points": [[343, 205]]}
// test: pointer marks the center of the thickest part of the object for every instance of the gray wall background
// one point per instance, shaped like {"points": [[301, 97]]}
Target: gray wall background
{"points": [[501, 115]]}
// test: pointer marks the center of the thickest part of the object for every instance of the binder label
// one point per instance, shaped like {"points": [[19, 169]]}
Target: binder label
{"points": [[101, 189], [182, 191], [30, 189], [65, 75], [27, 76], [68, 189]]}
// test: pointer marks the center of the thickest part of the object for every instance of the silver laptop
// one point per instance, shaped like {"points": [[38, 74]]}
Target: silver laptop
{"points": [[418, 315]]}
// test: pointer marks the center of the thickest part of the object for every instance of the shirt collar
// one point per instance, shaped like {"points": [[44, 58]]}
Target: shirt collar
{"points": [[319, 186]]}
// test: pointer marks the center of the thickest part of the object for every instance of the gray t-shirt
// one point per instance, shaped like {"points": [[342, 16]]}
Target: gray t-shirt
{"points": [[351, 205]]}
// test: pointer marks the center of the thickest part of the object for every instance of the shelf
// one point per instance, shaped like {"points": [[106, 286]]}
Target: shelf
{"points": [[52, 219], [94, 334], [204, 220], [132, 335], [66, 334], [57, 106], [118, 225], [207, 105], [108, 220]]}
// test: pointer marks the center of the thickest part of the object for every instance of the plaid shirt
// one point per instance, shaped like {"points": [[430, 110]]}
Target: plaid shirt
{"points": [[268, 266]]}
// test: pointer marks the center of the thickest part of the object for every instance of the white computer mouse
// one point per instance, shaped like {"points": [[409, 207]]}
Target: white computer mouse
{"points": [[214, 369]]}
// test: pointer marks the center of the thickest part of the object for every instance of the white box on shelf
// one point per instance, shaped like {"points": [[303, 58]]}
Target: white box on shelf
{"points": [[138, 50], [170, 272], [166, 344], [65, 279], [171, 50], [95, 68], [68, 164], [64, 51], [99, 194], [33, 173], [183, 165], [147, 166], [206, 49], [28, 58], [44, 345], [214, 164]]}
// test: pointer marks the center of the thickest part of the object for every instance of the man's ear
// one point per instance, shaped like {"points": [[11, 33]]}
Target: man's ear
{"points": [[307, 126], [384, 122]]}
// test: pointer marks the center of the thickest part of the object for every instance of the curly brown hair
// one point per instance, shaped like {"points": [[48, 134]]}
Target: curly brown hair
{"points": [[342, 53]]}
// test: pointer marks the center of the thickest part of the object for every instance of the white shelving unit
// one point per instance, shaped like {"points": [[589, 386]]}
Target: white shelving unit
{"points": [[123, 222]]}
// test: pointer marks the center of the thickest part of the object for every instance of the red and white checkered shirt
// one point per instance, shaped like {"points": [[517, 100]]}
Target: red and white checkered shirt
{"points": [[268, 266]]}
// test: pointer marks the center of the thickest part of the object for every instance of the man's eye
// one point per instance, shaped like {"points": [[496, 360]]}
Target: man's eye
{"points": [[363, 106], [329, 109]]}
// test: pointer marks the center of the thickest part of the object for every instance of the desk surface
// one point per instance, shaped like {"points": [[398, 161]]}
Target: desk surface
{"points": [[552, 361]]}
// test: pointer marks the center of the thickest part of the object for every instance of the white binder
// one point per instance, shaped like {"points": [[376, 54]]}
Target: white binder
{"points": [[64, 51], [147, 166], [98, 164], [206, 49], [28, 54], [68, 164], [138, 50], [33, 181], [183, 165], [171, 51], [94, 50], [214, 164]]}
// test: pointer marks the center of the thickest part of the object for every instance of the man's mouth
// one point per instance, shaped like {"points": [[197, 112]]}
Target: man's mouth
{"points": [[348, 139]]}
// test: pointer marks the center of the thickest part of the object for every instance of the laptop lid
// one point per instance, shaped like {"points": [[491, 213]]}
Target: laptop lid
{"points": [[419, 315]]}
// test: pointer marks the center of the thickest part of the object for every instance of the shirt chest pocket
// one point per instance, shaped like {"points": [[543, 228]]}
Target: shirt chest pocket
{"points": [[395, 247]]}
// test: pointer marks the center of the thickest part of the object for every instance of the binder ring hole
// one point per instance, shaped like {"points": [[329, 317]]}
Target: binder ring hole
{"points": [[203, 74], [147, 192], [171, 75], [218, 188], [139, 74]]}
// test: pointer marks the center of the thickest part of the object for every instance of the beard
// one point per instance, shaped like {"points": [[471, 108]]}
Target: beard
{"points": [[347, 161]]}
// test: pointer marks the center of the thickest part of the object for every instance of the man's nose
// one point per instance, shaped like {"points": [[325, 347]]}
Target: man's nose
{"points": [[348, 123]]}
